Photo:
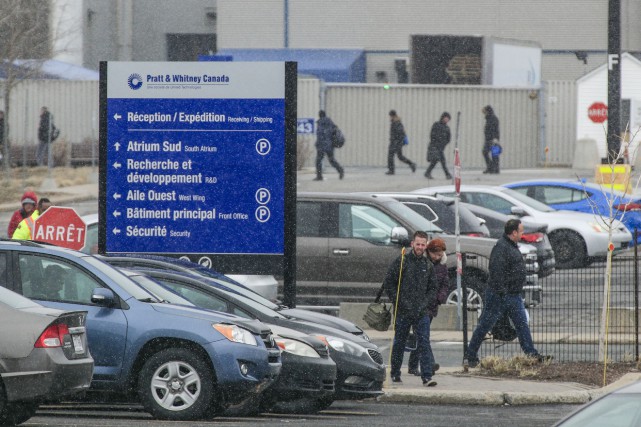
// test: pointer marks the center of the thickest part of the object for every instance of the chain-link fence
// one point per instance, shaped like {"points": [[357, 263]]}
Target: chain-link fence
{"points": [[567, 323]]}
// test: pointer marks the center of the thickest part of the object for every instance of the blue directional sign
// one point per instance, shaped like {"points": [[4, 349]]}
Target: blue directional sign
{"points": [[193, 158]]}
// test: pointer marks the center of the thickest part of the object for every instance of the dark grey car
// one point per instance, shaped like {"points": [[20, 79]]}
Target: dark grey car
{"points": [[534, 233], [345, 243], [43, 356]]}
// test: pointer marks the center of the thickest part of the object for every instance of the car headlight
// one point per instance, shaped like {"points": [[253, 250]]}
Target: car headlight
{"points": [[344, 346], [235, 333], [295, 347]]}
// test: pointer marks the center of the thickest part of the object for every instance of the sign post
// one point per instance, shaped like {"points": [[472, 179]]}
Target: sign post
{"points": [[61, 227]]}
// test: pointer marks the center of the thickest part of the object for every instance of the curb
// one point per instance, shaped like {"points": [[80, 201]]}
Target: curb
{"points": [[500, 398]]}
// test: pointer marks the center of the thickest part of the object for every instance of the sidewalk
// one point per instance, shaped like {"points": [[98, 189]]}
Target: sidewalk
{"points": [[457, 387], [61, 196]]}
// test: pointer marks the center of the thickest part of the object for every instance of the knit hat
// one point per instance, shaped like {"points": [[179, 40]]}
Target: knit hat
{"points": [[436, 244], [29, 197]]}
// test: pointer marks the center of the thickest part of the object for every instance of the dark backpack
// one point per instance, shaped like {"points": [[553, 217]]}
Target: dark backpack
{"points": [[338, 139], [55, 133]]}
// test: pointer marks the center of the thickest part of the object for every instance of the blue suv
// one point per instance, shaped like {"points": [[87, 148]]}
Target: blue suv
{"points": [[183, 363]]}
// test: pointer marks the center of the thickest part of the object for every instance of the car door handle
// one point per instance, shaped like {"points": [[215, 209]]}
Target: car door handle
{"points": [[341, 251]]}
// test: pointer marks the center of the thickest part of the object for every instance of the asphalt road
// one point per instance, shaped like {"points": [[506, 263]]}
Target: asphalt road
{"points": [[346, 414]]}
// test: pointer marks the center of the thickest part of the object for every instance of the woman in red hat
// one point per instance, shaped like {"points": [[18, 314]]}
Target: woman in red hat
{"points": [[28, 201]]}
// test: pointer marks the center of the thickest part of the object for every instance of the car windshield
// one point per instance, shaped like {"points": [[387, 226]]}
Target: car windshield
{"points": [[253, 304], [123, 281], [412, 217], [613, 410], [240, 289], [534, 204], [159, 290]]}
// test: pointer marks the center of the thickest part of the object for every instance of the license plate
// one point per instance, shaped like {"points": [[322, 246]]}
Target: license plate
{"points": [[77, 344]]}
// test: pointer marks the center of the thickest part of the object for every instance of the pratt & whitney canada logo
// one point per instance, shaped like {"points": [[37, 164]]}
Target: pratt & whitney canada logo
{"points": [[135, 81]]}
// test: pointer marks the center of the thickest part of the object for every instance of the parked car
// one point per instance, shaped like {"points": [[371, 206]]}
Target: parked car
{"points": [[263, 284], [43, 356], [576, 238], [347, 241], [141, 261], [308, 373], [534, 234], [588, 197], [359, 363], [441, 210], [182, 363], [621, 407]]}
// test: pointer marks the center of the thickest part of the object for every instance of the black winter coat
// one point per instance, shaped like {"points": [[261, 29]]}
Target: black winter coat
{"points": [[396, 133], [507, 268], [492, 128], [324, 134], [418, 285]]}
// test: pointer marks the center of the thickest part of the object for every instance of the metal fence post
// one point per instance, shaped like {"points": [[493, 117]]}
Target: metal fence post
{"points": [[636, 296]]}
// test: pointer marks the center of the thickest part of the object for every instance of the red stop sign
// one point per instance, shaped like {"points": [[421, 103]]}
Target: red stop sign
{"points": [[598, 112], [61, 227]]}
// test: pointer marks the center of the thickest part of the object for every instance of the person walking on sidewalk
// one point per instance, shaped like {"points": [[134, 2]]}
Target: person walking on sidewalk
{"points": [[411, 286], [325, 129], [396, 140], [507, 275], [436, 252], [439, 138], [492, 136]]}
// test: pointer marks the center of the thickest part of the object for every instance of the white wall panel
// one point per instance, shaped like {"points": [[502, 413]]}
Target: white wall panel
{"points": [[362, 112], [74, 105], [560, 121]]}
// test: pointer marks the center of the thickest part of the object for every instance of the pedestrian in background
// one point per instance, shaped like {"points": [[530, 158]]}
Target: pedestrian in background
{"points": [[411, 286], [492, 136], [46, 130], [325, 129], [436, 252], [439, 138], [396, 141], [24, 231], [1, 134], [28, 205], [507, 275]]}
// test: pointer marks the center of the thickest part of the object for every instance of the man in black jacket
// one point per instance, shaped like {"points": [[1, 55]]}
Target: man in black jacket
{"points": [[439, 137], [492, 136], [503, 294], [396, 138], [412, 280]]}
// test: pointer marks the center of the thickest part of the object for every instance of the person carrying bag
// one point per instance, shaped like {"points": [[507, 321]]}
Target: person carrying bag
{"points": [[412, 285], [378, 315]]}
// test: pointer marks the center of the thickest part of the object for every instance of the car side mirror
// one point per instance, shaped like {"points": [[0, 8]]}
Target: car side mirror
{"points": [[519, 211], [399, 235], [103, 297]]}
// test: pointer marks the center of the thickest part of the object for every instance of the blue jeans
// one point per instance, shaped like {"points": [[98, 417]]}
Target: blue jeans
{"points": [[422, 331], [495, 306]]}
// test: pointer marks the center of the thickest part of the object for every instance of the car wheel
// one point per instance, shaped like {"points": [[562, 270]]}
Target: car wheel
{"points": [[475, 289], [569, 249], [176, 384], [12, 414]]}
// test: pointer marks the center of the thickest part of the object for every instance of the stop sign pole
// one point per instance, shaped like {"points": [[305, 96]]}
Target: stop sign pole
{"points": [[60, 226], [614, 80]]}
